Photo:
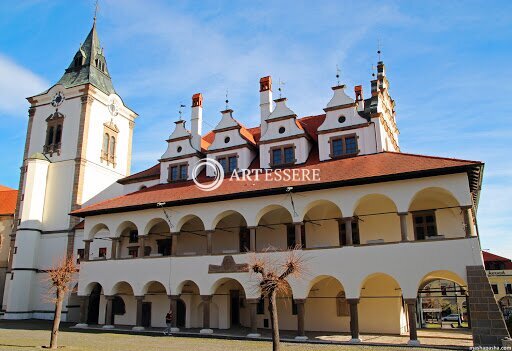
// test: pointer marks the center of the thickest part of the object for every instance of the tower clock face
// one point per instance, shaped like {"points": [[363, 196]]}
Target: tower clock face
{"points": [[58, 99]]}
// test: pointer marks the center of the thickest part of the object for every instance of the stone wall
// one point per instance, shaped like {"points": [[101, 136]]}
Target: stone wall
{"points": [[487, 323]]}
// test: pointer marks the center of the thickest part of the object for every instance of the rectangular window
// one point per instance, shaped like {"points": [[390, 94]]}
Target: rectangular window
{"points": [[178, 172], [345, 145], [294, 307], [183, 172], [342, 308], [424, 224], [133, 252], [337, 147], [289, 155], [282, 155], [290, 236], [233, 163], [228, 163], [343, 233], [260, 308], [80, 253], [508, 289], [494, 288], [102, 252], [134, 236], [244, 240], [276, 157], [164, 247]]}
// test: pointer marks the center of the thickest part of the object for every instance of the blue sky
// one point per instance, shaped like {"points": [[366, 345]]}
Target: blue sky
{"points": [[448, 62]]}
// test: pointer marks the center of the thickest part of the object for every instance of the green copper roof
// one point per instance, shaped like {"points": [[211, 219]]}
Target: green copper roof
{"points": [[89, 66]]}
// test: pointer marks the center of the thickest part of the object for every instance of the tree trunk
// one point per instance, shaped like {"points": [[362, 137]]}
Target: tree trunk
{"points": [[56, 320], [272, 306]]}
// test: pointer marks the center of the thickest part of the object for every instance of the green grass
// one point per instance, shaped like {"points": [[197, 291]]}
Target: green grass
{"points": [[29, 335]]}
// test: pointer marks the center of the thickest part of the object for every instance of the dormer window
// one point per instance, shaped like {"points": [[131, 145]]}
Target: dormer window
{"points": [[54, 133], [178, 172], [282, 155], [343, 146], [228, 163]]}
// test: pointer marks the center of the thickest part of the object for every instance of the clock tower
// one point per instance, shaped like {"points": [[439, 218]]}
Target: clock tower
{"points": [[78, 145]]}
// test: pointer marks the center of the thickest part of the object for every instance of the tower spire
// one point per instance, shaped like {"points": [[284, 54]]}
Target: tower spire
{"points": [[89, 65], [96, 8]]}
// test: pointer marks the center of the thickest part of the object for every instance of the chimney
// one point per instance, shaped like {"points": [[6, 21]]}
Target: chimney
{"points": [[196, 120], [265, 101], [358, 90]]}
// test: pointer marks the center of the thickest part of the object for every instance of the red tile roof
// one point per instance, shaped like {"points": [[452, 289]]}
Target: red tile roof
{"points": [[490, 257], [372, 168], [8, 199]]}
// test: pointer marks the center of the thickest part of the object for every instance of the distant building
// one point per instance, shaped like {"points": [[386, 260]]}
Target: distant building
{"points": [[7, 208], [499, 271]]}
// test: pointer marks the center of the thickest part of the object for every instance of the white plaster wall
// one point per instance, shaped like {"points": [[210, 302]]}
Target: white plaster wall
{"points": [[57, 205], [70, 108], [235, 139], [100, 115]]}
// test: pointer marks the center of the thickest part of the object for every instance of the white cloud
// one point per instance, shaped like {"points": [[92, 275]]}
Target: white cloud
{"points": [[16, 84]]}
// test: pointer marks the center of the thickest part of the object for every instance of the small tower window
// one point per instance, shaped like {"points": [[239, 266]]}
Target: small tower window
{"points": [[106, 140], [49, 139], [53, 133], [108, 150], [58, 134], [282, 130], [112, 146], [227, 139]]}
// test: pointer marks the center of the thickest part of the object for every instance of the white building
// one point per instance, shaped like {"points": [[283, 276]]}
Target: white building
{"points": [[377, 224]]}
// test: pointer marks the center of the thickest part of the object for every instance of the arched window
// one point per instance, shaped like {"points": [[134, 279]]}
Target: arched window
{"points": [[49, 140], [112, 147], [106, 139], [58, 134]]}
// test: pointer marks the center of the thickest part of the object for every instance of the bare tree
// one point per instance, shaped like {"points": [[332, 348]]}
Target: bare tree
{"points": [[272, 274], [60, 278]]}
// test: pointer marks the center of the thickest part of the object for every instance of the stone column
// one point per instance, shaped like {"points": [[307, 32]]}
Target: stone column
{"points": [[207, 299], [298, 235], [354, 320], [87, 250], [84, 309], [466, 218], [142, 240], [253, 309], [252, 234], [115, 248], [411, 313], [109, 323], [348, 230], [301, 335], [403, 225], [174, 310], [174, 244], [138, 318], [209, 242]]}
